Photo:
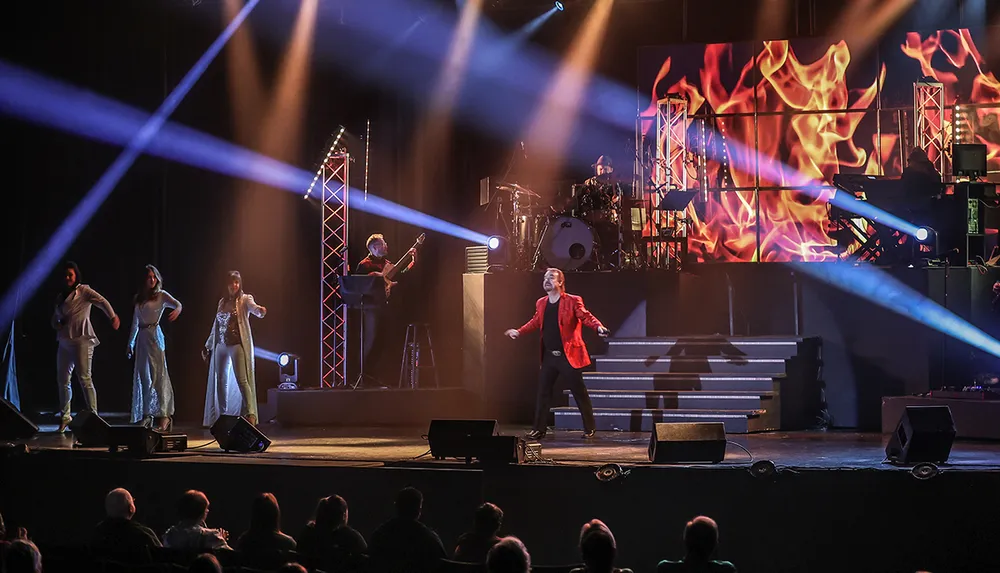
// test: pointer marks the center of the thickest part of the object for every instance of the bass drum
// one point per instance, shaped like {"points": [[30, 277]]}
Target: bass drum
{"points": [[567, 243]]}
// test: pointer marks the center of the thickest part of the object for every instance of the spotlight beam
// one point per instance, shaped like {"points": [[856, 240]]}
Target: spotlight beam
{"points": [[265, 354], [556, 118], [793, 178], [58, 244], [48, 102], [881, 288], [26, 95]]}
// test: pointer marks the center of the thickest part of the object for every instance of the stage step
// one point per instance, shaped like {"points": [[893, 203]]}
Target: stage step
{"points": [[752, 384], [642, 420], [667, 381], [690, 365], [703, 346], [677, 401]]}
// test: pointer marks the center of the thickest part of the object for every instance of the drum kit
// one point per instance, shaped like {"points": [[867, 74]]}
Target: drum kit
{"points": [[579, 232]]}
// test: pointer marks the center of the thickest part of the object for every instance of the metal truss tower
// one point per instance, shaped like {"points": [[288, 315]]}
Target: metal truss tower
{"points": [[333, 177]]}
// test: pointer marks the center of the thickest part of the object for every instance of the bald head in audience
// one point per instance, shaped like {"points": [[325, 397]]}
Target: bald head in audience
{"points": [[509, 555], [119, 504]]}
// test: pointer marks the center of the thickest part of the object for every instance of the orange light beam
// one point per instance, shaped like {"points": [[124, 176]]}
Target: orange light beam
{"points": [[772, 16], [431, 143], [282, 131], [453, 70], [243, 77], [552, 126], [556, 117], [865, 21]]}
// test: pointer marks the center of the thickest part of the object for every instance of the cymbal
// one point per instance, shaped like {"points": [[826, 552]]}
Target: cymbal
{"points": [[524, 190]]}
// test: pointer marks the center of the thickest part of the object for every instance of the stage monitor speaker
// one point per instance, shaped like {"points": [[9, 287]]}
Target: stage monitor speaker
{"points": [[236, 434], [687, 442], [498, 450], [453, 438], [13, 424], [89, 429], [136, 440], [171, 442], [923, 434]]}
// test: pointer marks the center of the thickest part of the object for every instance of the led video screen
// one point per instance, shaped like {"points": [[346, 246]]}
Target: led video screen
{"points": [[785, 112]]}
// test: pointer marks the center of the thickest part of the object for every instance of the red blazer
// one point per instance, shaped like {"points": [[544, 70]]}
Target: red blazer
{"points": [[572, 315]]}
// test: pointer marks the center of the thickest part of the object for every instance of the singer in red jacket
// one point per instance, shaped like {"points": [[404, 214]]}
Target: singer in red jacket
{"points": [[560, 316]]}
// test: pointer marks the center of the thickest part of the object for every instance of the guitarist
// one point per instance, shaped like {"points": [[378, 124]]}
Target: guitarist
{"points": [[377, 263]]}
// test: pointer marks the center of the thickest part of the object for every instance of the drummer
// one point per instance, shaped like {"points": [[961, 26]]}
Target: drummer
{"points": [[603, 170]]}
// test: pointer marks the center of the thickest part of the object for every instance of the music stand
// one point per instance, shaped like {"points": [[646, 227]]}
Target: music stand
{"points": [[676, 200], [361, 291]]}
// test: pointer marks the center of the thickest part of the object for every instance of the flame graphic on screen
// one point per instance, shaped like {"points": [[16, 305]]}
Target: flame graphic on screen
{"points": [[812, 124]]}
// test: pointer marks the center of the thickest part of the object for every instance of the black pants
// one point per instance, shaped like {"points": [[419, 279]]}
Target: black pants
{"points": [[554, 367], [371, 346]]}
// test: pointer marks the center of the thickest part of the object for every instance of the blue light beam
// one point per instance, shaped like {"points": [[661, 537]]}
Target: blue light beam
{"points": [[48, 102], [265, 354], [883, 289], [59, 243], [789, 176]]}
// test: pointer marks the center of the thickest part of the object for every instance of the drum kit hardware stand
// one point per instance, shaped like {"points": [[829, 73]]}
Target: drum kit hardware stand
{"points": [[591, 230], [599, 226]]}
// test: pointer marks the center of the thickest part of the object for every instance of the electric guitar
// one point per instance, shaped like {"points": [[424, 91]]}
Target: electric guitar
{"points": [[400, 265]]}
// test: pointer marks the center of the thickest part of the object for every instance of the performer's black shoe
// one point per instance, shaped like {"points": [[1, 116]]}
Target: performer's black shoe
{"points": [[535, 434], [588, 435]]}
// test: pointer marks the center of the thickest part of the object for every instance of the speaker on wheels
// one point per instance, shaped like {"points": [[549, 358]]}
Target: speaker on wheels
{"points": [[13, 424], [236, 434], [89, 429], [687, 442], [474, 439], [923, 434], [136, 440], [143, 442]]}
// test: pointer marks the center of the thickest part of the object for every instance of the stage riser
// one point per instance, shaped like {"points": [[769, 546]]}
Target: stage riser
{"points": [[695, 402], [691, 365], [651, 382], [739, 381], [371, 407], [637, 421], [681, 347], [868, 351], [974, 419]]}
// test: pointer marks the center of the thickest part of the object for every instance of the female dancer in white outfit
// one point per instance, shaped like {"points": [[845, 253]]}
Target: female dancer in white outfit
{"points": [[152, 393], [232, 389], [77, 339]]}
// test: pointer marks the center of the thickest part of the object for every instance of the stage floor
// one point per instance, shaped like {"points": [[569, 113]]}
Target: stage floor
{"points": [[401, 446]]}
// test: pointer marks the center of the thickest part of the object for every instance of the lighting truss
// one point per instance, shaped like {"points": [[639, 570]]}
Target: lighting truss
{"points": [[928, 122], [671, 142], [334, 176], [668, 169]]}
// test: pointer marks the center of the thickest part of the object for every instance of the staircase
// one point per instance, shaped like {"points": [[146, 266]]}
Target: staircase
{"points": [[751, 384]]}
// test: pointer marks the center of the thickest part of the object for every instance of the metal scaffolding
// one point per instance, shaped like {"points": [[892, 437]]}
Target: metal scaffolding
{"points": [[671, 143], [929, 128], [669, 174], [333, 175]]}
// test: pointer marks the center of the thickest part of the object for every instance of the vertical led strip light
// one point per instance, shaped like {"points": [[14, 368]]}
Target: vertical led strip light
{"points": [[59, 243], [368, 142]]}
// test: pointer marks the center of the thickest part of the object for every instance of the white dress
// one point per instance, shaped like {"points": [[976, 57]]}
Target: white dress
{"points": [[152, 393], [226, 394]]}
